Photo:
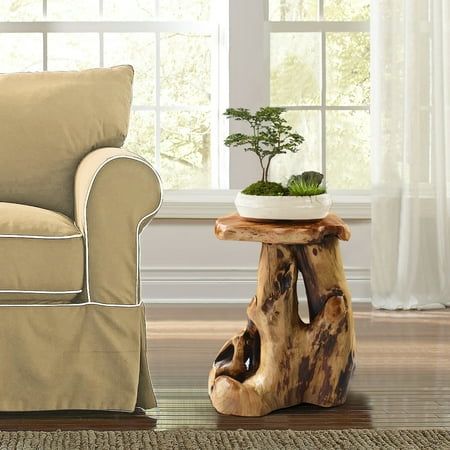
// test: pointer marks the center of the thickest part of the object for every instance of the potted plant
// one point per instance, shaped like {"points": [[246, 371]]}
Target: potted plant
{"points": [[303, 198]]}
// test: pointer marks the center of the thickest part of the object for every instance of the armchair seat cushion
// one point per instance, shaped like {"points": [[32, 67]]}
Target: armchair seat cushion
{"points": [[41, 256]]}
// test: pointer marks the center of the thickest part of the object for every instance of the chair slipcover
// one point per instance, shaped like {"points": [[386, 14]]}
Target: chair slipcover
{"points": [[72, 206], [42, 255]]}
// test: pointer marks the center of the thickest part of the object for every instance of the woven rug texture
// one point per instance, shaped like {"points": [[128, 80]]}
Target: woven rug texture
{"points": [[236, 440]]}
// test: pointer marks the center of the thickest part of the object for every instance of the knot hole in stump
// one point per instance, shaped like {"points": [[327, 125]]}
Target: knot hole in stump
{"points": [[239, 358]]}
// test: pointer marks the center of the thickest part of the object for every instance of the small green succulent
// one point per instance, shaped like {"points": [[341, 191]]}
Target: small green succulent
{"points": [[306, 184]]}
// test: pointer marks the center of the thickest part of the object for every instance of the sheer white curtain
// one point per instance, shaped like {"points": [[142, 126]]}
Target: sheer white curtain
{"points": [[411, 153]]}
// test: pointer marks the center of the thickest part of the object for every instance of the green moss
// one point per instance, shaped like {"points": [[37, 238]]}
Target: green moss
{"points": [[265, 188]]}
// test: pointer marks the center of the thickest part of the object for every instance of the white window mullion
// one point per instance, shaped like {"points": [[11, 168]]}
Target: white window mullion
{"points": [[222, 8], [158, 100], [101, 37], [44, 51], [164, 108], [323, 109], [327, 26], [321, 9], [214, 113], [101, 49], [323, 97], [327, 107], [44, 39], [107, 26]]}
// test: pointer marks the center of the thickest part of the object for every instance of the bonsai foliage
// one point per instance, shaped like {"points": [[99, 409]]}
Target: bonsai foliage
{"points": [[270, 135], [308, 183]]}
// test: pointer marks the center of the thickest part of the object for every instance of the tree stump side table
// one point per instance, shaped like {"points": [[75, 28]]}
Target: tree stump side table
{"points": [[278, 360]]}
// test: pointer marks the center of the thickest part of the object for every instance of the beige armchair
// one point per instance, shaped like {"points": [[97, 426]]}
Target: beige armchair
{"points": [[72, 207]]}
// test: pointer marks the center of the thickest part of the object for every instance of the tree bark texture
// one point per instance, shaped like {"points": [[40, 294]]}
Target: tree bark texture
{"points": [[279, 361]]}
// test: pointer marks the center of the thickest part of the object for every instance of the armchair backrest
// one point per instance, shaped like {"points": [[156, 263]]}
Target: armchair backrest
{"points": [[49, 121]]}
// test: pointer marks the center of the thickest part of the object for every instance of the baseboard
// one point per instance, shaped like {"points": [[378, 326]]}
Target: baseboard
{"points": [[224, 284]]}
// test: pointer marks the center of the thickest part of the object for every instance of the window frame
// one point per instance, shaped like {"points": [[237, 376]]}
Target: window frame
{"points": [[219, 163], [323, 27], [253, 91], [350, 204]]}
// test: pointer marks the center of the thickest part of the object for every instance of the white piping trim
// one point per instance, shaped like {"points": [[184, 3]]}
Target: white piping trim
{"points": [[27, 236], [58, 305], [138, 245], [112, 158], [18, 291]]}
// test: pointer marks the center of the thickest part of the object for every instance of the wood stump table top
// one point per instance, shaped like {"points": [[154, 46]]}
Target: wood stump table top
{"points": [[234, 227]]}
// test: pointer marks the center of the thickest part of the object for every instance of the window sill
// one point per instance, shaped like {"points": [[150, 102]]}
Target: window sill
{"points": [[210, 204]]}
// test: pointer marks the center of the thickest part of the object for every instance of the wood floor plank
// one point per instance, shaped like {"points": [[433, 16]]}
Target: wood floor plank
{"points": [[402, 377]]}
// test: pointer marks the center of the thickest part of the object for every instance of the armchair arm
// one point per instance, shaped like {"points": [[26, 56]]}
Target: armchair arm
{"points": [[117, 193]]}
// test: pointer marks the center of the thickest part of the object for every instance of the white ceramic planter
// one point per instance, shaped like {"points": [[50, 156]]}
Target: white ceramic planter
{"points": [[283, 208]]}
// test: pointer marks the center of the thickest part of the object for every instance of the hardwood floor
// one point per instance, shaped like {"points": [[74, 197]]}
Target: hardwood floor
{"points": [[402, 377]]}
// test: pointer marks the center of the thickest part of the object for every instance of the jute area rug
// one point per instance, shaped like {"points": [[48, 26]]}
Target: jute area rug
{"points": [[241, 439]]}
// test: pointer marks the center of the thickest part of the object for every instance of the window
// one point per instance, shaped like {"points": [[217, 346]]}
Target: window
{"points": [[319, 71], [173, 46]]}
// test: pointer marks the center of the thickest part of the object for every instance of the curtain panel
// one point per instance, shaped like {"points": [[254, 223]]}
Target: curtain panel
{"points": [[410, 72]]}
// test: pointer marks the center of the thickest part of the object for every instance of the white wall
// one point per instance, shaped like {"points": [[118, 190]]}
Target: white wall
{"points": [[183, 261]]}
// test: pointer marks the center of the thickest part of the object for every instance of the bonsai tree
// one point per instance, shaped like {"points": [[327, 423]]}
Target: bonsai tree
{"points": [[270, 135]]}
